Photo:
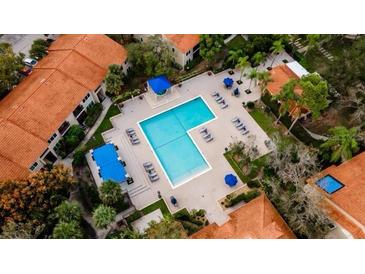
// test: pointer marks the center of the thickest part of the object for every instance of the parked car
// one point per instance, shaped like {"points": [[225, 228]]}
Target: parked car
{"points": [[30, 62], [26, 70]]}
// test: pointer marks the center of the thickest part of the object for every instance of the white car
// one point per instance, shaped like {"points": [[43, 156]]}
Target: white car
{"points": [[30, 62]]}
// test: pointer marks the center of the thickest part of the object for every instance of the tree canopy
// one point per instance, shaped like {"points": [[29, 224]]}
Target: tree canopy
{"points": [[342, 143], [110, 193], [39, 49], [10, 64], [68, 211], [315, 93], [103, 216], [67, 230], [167, 228], [210, 45], [152, 57], [114, 79]]}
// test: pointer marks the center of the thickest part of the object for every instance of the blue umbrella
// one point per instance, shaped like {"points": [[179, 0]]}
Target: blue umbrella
{"points": [[230, 180], [228, 82]]}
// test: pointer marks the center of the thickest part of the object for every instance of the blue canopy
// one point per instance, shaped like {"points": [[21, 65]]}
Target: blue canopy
{"points": [[106, 157], [230, 180], [228, 82], [159, 84]]}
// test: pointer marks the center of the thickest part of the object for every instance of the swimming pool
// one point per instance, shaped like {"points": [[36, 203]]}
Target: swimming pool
{"points": [[167, 134], [329, 184]]}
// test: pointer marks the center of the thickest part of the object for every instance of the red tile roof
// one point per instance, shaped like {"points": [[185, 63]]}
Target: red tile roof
{"points": [[183, 42], [257, 219], [350, 198], [33, 111]]}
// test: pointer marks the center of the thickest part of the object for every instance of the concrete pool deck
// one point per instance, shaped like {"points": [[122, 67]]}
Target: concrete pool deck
{"points": [[204, 191]]}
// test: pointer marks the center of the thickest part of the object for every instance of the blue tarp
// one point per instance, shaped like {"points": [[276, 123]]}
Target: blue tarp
{"points": [[230, 180], [159, 84], [106, 157], [228, 82]]}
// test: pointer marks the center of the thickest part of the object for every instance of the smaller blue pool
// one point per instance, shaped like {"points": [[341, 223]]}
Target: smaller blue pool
{"points": [[106, 158], [329, 184]]}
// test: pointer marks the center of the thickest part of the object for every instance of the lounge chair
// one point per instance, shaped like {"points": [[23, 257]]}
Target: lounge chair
{"points": [[149, 168], [219, 99], [203, 130], [245, 131], [208, 135], [152, 174], [154, 179], [135, 141], [147, 164], [237, 125], [235, 120], [209, 139], [129, 130], [224, 105], [214, 93]]}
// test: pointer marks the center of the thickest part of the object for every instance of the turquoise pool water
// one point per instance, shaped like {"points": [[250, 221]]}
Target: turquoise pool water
{"points": [[329, 184], [167, 134]]}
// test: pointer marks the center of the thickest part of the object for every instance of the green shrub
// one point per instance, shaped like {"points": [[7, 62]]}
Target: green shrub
{"points": [[134, 216], [246, 197], [253, 184], [250, 105], [68, 212], [79, 158], [90, 195], [70, 141], [93, 112], [125, 96]]}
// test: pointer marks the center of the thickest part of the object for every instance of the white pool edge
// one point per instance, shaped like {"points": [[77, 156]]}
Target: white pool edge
{"points": [[188, 133]]}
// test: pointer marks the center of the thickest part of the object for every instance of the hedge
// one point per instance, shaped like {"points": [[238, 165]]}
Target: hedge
{"points": [[93, 113], [246, 197]]}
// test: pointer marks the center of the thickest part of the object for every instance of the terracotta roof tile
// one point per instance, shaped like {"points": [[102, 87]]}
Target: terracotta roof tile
{"points": [[45, 110], [11, 171], [257, 219], [94, 47], [19, 146], [183, 42], [350, 198], [33, 111], [82, 70], [280, 75]]}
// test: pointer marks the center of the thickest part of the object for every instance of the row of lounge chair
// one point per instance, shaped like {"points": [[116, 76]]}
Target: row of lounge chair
{"points": [[219, 99], [236, 121], [132, 136], [207, 136], [151, 172]]}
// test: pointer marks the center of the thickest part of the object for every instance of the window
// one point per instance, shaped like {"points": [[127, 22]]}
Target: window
{"points": [[78, 110], [86, 97], [33, 166], [52, 138], [188, 53], [173, 50], [62, 129]]}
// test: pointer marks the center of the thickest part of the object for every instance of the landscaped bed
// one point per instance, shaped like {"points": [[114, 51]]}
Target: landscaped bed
{"points": [[97, 140]]}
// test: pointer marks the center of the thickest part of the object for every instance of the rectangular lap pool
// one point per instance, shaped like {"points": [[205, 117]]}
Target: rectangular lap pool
{"points": [[329, 184], [167, 134]]}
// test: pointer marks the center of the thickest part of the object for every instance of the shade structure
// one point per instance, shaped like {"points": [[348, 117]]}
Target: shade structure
{"points": [[159, 84], [230, 180], [110, 168], [228, 82]]}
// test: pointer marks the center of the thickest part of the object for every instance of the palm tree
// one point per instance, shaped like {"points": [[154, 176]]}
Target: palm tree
{"points": [[242, 64], [252, 76], [342, 143], [286, 97], [110, 193], [277, 47], [68, 211], [103, 216], [264, 78], [312, 41], [70, 230], [234, 55], [258, 58]]}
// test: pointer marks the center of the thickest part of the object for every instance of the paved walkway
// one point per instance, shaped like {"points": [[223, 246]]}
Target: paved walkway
{"points": [[21, 42]]}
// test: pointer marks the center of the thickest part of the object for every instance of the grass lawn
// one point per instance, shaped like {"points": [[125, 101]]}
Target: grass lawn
{"points": [[265, 121], [148, 209], [237, 42], [97, 139]]}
